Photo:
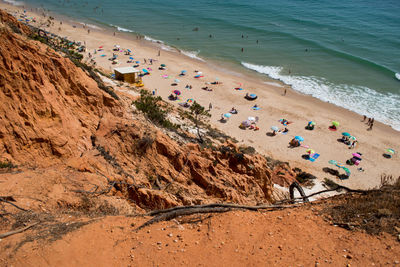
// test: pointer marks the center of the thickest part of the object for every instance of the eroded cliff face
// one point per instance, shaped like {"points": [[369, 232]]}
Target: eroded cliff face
{"points": [[49, 107], [53, 116]]}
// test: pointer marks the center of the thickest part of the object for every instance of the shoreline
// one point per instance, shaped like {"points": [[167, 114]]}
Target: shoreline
{"points": [[295, 106], [228, 66]]}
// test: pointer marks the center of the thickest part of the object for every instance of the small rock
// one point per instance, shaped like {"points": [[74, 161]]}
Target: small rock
{"points": [[158, 243], [349, 256], [279, 217], [170, 234], [280, 247], [175, 240], [396, 262], [148, 231]]}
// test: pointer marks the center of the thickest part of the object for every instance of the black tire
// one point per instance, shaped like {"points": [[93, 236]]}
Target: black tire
{"points": [[301, 191]]}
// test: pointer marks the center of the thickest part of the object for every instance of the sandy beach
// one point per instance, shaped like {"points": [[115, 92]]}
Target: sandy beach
{"points": [[294, 107]]}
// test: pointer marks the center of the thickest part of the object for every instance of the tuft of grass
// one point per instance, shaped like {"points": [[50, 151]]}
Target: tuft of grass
{"points": [[7, 165], [249, 150]]}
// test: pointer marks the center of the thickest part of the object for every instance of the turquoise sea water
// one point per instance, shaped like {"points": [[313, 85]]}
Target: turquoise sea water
{"points": [[344, 52]]}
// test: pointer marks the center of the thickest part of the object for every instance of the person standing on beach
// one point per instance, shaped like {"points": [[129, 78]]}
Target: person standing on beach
{"points": [[159, 52], [284, 92], [242, 49], [365, 117], [370, 126], [369, 121], [209, 107], [88, 31]]}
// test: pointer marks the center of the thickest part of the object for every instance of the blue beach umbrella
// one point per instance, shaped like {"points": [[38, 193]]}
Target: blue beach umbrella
{"points": [[301, 139], [137, 62], [227, 115], [346, 134], [144, 70], [131, 58], [274, 128], [183, 71], [129, 50]]}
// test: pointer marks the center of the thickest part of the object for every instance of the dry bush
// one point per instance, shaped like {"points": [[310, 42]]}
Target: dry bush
{"points": [[374, 211], [143, 144]]}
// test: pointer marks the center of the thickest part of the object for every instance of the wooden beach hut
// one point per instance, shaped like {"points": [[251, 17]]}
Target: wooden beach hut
{"points": [[127, 74]]}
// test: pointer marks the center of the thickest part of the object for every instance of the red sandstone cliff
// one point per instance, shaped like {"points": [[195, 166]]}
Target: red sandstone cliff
{"points": [[54, 116]]}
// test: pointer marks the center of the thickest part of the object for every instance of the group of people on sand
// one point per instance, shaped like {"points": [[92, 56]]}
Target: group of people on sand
{"points": [[348, 141], [370, 122]]}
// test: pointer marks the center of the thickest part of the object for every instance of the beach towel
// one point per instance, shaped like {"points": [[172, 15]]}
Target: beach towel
{"points": [[313, 157], [238, 88], [256, 108]]}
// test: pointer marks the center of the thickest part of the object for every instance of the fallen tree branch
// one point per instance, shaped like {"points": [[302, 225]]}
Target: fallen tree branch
{"points": [[8, 202], [7, 234], [338, 187], [169, 214]]}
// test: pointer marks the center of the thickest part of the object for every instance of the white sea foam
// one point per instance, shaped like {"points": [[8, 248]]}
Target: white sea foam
{"points": [[91, 26], [14, 3], [167, 48], [147, 38], [120, 29], [123, 29], [362, 100], [192, 54]]}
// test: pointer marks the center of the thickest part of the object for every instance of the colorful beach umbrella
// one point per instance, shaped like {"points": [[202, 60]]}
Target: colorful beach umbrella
{"points": [[246, 123], [391, 151], [346, 134], [346, 170], [131, 58], [137, 62], [190, 100], [335, 123], [183, 71], [129, 50], [353, 138], [356, 155], [333, 162], [227, 115], [177, 92], [163, 65], [311, 123], [274, 128], [310, 151], [297, 137], [144, 70]]}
